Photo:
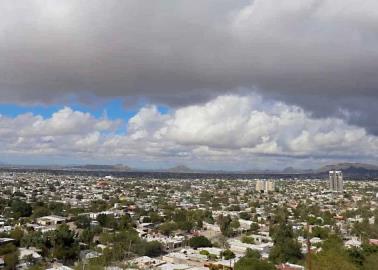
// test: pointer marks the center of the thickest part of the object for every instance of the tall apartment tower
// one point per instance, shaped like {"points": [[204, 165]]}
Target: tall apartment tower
{"points": [[265, 186], [336, 181]]}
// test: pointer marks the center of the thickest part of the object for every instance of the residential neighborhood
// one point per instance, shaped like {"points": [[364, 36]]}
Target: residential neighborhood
{"points": [[67, 221]]}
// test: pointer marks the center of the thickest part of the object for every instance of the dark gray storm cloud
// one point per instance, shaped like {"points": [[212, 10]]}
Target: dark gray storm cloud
{"points": [[320, 54]]}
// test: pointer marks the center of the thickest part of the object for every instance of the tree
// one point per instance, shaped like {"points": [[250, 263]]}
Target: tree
{"points": [[371, 262], [254, 227], [10, 255], [225, 225], [228, 254], [285, 248], [199, 241], [86, 236], [252, 253], [320, 232], [82, 222], [17, 235], [247, 239], [333, 256], [153, 249], [185, 225], [204, 252], [98, 206], [235, 224], [356, 256], [65, 247], [40, 212], [125, 222], [251, 263], [11, 260], [146, 219], [155, 217], [168, 227], [107, 221], [20, 208], [245, 215], [332, 260], [56, 208], [33, 239]]}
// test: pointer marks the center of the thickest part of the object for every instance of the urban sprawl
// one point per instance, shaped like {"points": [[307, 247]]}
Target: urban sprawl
{"points": [[51, 221]]}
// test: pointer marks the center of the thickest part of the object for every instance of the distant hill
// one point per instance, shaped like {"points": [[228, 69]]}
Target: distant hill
{"points": [[350, 168], [357, 170], [289, 170], [98, 167], [347, 168], [180, 169]]}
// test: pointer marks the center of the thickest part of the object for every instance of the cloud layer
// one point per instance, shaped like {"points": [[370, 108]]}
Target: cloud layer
{"points": [[229, 129], [319, 54]]}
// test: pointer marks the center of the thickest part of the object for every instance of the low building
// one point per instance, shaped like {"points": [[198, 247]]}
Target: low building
{"points": [[51, 220], [289, 266]]}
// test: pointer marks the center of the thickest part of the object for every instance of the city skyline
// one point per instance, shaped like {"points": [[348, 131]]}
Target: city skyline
{"points": [[225, 85]]}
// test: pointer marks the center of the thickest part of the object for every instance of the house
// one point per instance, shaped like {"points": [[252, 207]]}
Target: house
{"points": [[289, 266], [60, 267], [354, 242], [51, 220], [4, 241], [373, 242], [25, 254], [146, 262]]}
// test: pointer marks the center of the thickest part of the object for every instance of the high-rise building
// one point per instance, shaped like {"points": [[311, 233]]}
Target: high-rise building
{"points": [[265, 186], [336, 181]]}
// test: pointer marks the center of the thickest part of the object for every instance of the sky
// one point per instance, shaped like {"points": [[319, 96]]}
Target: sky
{"points": [[210, 84]]}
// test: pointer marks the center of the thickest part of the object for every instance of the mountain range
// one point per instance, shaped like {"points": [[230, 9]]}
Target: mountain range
{"points": [[348, 168]]}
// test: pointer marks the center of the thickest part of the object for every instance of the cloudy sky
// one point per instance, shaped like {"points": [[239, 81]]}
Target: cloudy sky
{"points": [[218, 84]]}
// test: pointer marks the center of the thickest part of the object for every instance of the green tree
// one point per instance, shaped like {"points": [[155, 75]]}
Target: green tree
{"points": [[225, 225], [64, 245], [245, 215], [86, 236], [40, 212], [247, 239], [153, 249], [333, 256], [252, 263], [11, 260], [371, 262], [199, 241], [252, 253], [235, 224], [83, 222], [107, 221], [185, 225], [17, 234], [20, 208], [228, 254], [56, 208], [332, 260], [285, 248], [254, 227], [10, 255], [168, 227]]}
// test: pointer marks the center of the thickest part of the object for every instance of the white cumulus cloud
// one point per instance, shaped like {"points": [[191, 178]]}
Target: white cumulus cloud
{"points": [[225, 130]]}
